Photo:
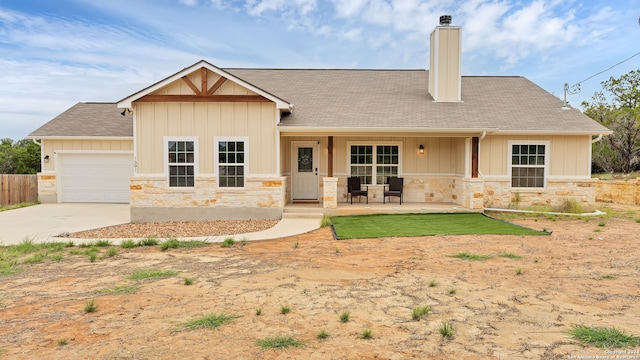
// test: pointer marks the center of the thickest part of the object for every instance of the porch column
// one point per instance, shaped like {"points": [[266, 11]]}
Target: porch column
{"points": [[330, 192], [330, 157], [467, 158]]}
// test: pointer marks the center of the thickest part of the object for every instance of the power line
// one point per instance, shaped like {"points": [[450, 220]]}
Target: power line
{"points": [[609, 68], [576, 88]]}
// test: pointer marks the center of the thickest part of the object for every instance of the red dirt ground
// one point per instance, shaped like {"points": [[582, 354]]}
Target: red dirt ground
{"points": [[496, 313]]}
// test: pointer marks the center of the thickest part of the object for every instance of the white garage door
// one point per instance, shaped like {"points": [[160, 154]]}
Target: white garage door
{"points": [[95, 177]]}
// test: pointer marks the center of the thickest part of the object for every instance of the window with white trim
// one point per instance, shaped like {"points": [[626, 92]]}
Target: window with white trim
{"points": [[373, 164], [528, 164], [181, 162], [232, 161]]}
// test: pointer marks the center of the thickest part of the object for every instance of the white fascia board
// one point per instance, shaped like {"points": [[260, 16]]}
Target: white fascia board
{"points": [[358, 130], [81, 137], [552, 133], [126, 102]]}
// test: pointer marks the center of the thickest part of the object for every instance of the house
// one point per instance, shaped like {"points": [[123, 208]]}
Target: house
{"points": [[208, 142]]}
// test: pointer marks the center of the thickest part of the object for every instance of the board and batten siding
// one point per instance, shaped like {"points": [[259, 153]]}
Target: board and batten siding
{"points": [[257, 121], [88, 145], [567, 155], [442, 155]]}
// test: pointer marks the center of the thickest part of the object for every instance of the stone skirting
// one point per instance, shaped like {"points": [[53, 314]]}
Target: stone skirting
{"points": [[47, 188], [498, 193], [428, 189], [152, 200]]}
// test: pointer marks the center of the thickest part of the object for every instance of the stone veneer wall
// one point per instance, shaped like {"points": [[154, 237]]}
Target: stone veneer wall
{"points": [[618, 191], [47, 188], [428, 189], [498, 193], [153, 200]]}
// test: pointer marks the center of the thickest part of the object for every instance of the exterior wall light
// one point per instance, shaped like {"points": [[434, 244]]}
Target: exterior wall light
{"points": [[46, 158], [421, 149]]}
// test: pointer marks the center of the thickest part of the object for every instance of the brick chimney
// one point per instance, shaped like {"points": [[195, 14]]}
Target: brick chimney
{"points": [[445, 61]]}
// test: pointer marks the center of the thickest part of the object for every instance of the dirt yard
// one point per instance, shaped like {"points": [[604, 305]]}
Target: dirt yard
{"points": [[586, 272]]}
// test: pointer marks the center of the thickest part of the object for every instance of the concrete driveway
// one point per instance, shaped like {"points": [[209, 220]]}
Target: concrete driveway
{"points": [[41, 222]]}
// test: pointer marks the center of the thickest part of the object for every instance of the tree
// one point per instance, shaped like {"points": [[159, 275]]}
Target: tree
{"points": [[22, 157], [620, 151]]}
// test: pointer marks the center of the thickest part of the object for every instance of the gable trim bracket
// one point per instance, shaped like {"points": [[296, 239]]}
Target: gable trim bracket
{"points": [[144, 94]]}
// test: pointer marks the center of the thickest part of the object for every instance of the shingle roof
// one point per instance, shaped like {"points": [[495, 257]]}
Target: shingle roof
{"points": [[397, 99], [88, 120]]}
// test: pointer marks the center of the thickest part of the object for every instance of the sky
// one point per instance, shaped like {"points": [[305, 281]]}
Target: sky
{"points": [[54, 54]]}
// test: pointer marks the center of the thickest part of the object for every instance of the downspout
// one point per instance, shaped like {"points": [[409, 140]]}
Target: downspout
{"points": [[593, 141], [482, 136]]}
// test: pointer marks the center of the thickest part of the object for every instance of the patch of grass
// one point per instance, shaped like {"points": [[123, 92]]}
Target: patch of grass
{"points": [[609, 277], [111, 252], [188, 281], [103, 243], [337, 250], [16, 206], [149, 241], [210, 321], [93, 256], [62, 342], [395, 225], [446, 329], [284, 309], [433, 283], [279, 342], [509, 256], [118, 290], [326, 221], [637, 220], [419, 312], [344, 317], [228, 242], [602, 223], [603, 337], [151, 274], [597, 230], [128, 244], [366, 334], [192, 244], [518, 271], [296, 244], [170, 244], [57, 257], [259, 311], [452, 291], [8, 268], [322, 334], [36, 258], [571, 206], [90, 306], [470, 256]]}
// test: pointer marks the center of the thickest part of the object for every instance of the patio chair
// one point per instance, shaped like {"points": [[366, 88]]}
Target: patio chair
{"points": [[393, 188], [355, 189]]}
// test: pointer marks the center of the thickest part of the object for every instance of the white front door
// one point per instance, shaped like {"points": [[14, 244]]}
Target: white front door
{"points": [[304, 165]]}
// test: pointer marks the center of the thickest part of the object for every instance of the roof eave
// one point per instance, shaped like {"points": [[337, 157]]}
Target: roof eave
{"points": [[95, 137]]}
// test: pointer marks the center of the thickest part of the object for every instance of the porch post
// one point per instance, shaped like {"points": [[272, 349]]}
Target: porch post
{"points": [[330, 193], [467, 158], [330, 157], [474, 157]]}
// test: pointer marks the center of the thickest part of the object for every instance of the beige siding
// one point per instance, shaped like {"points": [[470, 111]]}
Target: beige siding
{"points": [[441, 156], [154, 121], [50, 147], [568, 155]]}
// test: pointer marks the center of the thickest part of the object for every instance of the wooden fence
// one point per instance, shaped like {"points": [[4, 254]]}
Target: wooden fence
{"points": [[16, 189]]}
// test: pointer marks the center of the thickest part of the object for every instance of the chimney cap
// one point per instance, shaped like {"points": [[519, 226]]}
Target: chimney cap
{"points": [[445, 20]]}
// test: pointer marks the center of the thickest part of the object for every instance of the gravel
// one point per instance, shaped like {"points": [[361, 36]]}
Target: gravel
{"points": [[177, 229]]}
